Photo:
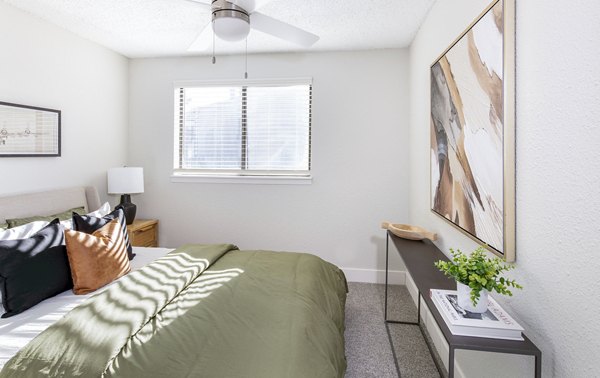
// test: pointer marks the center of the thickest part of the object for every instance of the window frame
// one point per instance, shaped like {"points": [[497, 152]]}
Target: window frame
{"points": [[236, 176]]}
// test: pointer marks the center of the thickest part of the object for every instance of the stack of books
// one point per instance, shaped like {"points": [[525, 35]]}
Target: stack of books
{"points": [[495, 323]]}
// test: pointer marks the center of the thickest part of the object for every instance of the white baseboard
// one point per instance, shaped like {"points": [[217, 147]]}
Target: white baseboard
{"points": [[395, 277]]}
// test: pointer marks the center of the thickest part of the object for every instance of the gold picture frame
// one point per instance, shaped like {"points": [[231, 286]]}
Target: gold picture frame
{"points": [[472, 122]]}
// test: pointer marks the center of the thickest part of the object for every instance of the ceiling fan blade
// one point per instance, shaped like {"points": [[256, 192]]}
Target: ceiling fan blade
{"points": [[203, 40], [203, 3], [282, 30], [250, 5]]}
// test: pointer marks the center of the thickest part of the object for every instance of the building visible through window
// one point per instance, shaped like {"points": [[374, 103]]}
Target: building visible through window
{"points": [[256, 128]]}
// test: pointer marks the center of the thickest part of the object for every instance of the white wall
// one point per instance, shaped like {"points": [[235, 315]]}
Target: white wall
{"points": [[558, 178], [360, 151], [46, 66]]}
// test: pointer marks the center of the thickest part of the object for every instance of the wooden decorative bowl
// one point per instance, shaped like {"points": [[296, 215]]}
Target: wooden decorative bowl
{"points": [[406, 231]]}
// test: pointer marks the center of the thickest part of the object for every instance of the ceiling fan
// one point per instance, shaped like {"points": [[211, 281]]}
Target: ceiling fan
{"points": [[233, 19]]}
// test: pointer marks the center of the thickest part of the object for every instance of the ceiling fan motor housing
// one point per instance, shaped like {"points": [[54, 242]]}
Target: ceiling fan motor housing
{"points": [[229, 21]]}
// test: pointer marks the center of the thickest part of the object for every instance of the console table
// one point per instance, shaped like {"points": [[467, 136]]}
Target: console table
{"points": [[418, 257]]}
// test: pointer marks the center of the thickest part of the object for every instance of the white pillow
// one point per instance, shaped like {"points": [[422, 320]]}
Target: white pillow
{"points": [[22, 232], [102, 211]]}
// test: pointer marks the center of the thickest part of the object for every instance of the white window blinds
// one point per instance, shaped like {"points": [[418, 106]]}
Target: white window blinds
{"points": [[252, 128]]}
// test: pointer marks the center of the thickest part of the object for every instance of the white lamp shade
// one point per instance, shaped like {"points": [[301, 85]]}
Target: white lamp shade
{"points": [[126, 180]]}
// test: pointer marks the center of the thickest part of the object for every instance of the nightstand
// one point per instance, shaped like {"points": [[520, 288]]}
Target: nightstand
{"points": [[143, 233]]}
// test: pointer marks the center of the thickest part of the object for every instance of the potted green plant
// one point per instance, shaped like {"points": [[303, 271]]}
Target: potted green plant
{"points": [[477, 275]]}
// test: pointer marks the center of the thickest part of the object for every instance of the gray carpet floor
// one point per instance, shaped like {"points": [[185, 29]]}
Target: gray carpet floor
{"points": [[368, 349]]}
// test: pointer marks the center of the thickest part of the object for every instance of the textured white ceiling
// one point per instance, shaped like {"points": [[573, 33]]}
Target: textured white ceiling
{"points": [[154, 28]]}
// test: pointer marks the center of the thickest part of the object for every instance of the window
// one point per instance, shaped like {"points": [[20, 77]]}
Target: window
{"points": [[249, 128]]}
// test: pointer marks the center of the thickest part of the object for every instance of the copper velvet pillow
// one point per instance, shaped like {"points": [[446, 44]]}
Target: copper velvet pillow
{"points": [[89, 224], [96, 259]]}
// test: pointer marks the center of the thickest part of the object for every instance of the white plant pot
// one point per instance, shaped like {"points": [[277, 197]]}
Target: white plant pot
{"points": [[464, 299]]}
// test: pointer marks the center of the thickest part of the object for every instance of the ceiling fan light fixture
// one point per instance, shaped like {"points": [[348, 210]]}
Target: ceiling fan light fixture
{"points": [[231, 24], [233, 19], [231, 29]]}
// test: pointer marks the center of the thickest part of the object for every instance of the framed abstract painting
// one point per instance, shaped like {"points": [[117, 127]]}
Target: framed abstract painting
{"points": [[473, 130]]}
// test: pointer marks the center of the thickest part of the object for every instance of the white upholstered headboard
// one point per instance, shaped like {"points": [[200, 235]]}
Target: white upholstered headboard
{"points": [[48, 202]]}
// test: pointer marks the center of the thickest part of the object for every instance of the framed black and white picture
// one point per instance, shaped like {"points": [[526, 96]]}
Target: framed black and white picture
{"points": [[473, 130], [29, 131]]}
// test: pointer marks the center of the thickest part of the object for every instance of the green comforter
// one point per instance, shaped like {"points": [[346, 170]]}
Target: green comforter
{"points": [[202, 311]]}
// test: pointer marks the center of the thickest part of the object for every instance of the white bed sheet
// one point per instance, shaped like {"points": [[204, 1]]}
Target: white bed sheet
{"points": [[18, 330]]}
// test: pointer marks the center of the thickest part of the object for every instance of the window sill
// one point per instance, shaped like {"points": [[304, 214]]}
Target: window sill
{"points": [[232, 179]]}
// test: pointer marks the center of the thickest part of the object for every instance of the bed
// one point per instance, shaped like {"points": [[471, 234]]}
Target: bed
{"points": [[193, 311]]}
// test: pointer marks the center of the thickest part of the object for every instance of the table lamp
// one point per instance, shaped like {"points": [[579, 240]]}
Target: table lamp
{"points": [[126, 181]]}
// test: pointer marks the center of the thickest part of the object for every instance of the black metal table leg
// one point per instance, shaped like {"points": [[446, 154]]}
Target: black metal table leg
{"points": [[387, 321], [451, 363], [385, 305], [418, 306], [387, 243]]}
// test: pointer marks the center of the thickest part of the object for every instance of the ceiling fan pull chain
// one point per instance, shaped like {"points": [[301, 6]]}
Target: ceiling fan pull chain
{"points": [[214, 59], [246, 73]]}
